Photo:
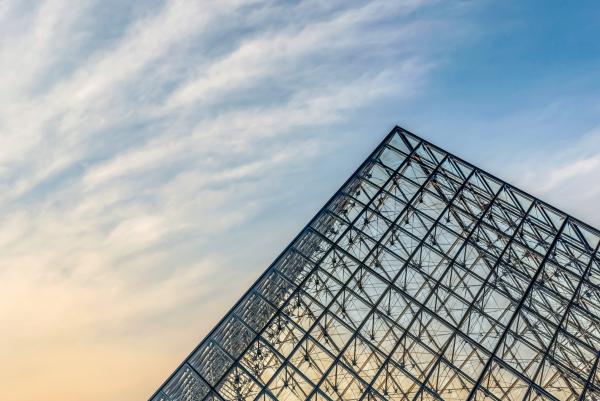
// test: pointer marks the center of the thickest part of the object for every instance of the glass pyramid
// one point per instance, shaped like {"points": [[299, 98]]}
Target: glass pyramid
{"points": [[422, 278]]}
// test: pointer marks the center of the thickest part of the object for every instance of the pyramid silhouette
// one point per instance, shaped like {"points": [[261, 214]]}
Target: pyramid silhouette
{"points": [[422, 278]]}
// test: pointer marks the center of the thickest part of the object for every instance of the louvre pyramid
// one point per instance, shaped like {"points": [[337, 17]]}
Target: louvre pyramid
{"points": [[422, 278]]}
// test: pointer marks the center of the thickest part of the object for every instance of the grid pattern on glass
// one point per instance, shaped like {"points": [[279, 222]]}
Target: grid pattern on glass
{"points": [[422, 278]]}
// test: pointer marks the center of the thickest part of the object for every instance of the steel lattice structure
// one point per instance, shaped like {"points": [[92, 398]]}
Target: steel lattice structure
{"points": [[422, 278]]}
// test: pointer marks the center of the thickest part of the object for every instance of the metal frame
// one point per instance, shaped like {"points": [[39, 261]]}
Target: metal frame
{"points": [[422, 278]]}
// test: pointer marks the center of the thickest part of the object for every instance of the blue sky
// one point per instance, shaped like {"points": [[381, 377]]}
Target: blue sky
{"points": [[158, 155]]}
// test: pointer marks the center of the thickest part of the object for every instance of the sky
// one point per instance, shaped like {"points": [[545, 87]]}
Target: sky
{"points": [[156, 156]]}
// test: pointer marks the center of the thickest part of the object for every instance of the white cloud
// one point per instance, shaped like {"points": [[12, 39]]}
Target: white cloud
{"points": [[268, 56], [566, 176], [568, 172]]}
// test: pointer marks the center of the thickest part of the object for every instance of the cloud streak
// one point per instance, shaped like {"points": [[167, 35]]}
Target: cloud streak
{"points": [[565, 175]]}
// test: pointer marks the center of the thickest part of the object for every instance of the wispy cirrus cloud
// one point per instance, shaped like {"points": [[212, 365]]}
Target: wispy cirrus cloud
{"points": [[565, 174], [142, 145]]}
